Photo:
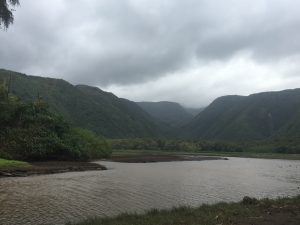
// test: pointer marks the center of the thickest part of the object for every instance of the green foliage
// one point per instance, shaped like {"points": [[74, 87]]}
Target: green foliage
{"points": [[12, 163], [151, 144], [93, 146], [85, 107], [254, 117], [175, 145], [291, 146], [253, 212], [265, 122], [30, 131]]}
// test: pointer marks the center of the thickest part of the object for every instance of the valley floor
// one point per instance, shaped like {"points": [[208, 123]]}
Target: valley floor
{"points": [[284, 211], [11, 168], [163, 157], [220, 155]]}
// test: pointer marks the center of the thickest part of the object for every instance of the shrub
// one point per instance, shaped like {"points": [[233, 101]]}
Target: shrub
{"points": [[92, 146], [29, 131]]}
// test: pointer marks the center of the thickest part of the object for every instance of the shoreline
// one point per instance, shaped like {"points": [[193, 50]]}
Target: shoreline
{"points": [[53, 167], [50, 167], [129, 156], [255, 155], [249, 211], [151, 158]]}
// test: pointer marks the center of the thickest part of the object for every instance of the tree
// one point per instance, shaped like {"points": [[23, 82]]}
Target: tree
{"points": [[30, 131], [6, 15], [3, 92]]}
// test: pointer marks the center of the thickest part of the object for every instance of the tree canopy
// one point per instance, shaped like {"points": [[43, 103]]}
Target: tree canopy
{"points": [[6, 15], [30, 131]]}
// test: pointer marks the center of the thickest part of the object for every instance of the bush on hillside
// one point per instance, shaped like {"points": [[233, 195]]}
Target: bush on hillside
{"points": [[29, 131]]}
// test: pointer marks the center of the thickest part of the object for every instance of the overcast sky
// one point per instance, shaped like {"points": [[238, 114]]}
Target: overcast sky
{"points": [[188, 51]]}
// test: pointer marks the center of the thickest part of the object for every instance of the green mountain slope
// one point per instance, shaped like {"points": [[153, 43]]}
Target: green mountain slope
{"points": [[170, 113], [84, 106], [252, 117], [291, 130]]}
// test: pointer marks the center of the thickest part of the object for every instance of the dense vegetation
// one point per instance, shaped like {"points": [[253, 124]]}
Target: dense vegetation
{"points": [[84, 106], [29, 131], [266, 122], [254, 117], [248, 211], [198, 146]]}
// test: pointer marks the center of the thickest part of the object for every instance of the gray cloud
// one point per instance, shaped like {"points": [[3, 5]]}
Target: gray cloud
{"points": [[128, 42]]}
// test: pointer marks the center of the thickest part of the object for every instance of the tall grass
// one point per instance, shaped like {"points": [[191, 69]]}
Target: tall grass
{"points": [[221, 213], [12, 163]]}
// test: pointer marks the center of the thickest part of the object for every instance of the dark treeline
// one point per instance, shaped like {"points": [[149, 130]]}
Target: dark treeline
{"points": [[271, 146], [29, 131]]}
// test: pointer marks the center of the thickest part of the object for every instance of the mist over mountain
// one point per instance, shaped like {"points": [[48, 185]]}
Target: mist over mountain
{"points": [[194, 111], [170, 113]]}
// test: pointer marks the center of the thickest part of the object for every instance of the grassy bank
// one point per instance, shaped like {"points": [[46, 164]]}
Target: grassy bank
{"points": [[11, 168], [222, 154], [12, 163], [249, 211]]}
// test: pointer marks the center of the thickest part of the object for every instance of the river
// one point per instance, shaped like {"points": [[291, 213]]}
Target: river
{"points": [[135, 187]]}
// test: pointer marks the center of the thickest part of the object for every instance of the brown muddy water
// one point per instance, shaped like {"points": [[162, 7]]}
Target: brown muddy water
{"points": [[135, 187]]}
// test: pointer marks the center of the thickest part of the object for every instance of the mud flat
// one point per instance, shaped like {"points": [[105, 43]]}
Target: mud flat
{"points": [[39, 168], [161, 158]]}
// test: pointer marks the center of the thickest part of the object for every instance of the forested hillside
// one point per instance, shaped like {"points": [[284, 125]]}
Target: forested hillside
{"points": [[253, 117], [29, 131], [84, 106]]}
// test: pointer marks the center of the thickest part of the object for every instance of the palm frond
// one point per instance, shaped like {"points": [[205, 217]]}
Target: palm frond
{"points": [[14, 2], [6, 15]]}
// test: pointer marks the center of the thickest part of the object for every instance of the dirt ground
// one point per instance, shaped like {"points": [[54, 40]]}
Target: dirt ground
{"points": [[37, 168], [161, 158], [284, 215]]}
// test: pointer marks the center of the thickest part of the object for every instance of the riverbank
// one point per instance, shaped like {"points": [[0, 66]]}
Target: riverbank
{"points": [[9, 168], [4, 163], [147, 158], [256, 155], [247, 212], [12, 168], [117, 153]]}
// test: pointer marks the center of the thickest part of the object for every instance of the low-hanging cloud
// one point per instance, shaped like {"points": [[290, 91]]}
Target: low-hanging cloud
{"points": [[131, 42]]}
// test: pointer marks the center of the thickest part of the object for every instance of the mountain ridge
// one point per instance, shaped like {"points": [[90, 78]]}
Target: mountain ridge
{"points": [[256, 116], [109, 117], [265, 115]]}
